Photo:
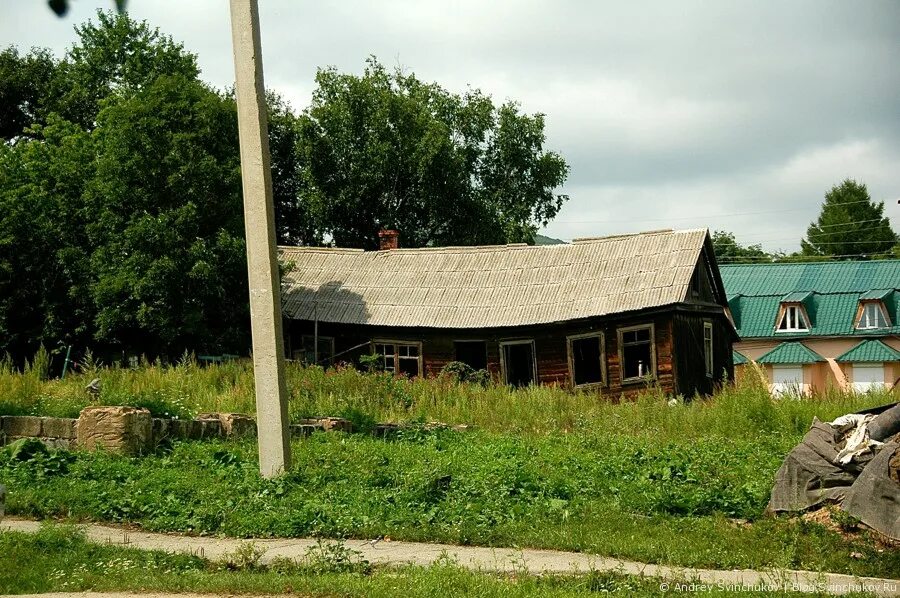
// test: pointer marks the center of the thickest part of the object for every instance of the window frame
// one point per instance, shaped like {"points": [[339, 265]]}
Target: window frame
{"points": [[783, 315], [397, 344], [621, 348], [601, 336], [861, 312], [709, 348], [528, 341]]}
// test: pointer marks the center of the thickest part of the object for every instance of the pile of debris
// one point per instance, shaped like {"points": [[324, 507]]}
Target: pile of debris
{"points": [[853, 462]]}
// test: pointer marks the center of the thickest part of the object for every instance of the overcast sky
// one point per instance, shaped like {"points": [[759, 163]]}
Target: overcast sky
{"points": [[728, 115]]}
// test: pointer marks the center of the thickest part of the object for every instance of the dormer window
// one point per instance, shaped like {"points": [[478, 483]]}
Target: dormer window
{"points": [[872, 316], [793, 319]]}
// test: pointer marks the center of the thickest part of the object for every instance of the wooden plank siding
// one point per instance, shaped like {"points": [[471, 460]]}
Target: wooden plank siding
{"points": [[675, 334]]}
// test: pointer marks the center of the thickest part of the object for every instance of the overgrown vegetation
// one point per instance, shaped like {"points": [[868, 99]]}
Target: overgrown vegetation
{"points": [[60, 559], [185, 389]]}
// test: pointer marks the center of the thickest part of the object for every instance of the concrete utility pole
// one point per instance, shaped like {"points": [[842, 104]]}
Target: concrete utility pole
{"points": [[259, 224]]}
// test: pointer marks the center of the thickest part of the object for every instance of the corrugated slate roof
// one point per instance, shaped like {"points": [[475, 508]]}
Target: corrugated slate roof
{"points": [[791, 353], [871, 350], [830, 292], [495, 286]]}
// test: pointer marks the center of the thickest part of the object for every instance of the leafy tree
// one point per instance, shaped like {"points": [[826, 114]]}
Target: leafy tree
{"points": [[729, 250], [117, 56], [120, 214], [849, 226], [26, 89], [167, 226], [44, 272], [386, 150]]}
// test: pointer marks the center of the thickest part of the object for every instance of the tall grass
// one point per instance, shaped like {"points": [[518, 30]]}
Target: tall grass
{"points": [[185, 389]]}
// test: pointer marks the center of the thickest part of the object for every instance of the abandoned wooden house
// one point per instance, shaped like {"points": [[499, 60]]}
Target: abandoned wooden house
{"points": [[614, 314]]}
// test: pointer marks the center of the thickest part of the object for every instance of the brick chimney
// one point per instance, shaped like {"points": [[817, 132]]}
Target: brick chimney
{"points": [[388, 239]]}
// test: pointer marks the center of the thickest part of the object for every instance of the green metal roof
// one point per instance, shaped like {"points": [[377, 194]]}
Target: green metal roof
{"points": [[830, 292], [739, 358], [796, 297], [871, 350], [793, 352], [876, 294]]}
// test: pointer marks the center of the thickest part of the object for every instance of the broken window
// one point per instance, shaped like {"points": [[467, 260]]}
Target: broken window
{"points": [[586, 359], [872, 316], [708, 348], [471, 353], [636, 353], [519, 368], [793, 319], [399, 358]]}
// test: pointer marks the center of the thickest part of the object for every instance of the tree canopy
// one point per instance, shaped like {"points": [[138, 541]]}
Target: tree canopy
{"points": [[728, 250], [850, 226], [386, 150], [120, 212]]}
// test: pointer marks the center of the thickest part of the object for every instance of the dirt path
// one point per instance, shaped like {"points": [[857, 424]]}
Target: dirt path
{"points": [[487, 559]]}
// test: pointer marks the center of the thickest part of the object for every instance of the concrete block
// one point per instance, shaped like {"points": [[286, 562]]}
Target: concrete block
{"points": [[58, 427], [126, 430], [22, 425]]}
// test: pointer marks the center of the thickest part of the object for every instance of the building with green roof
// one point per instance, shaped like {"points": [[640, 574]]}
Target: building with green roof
{"points": [[818, 324]]}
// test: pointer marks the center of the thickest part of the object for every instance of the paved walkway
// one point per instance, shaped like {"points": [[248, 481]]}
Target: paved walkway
{"points": [[488, 559]]}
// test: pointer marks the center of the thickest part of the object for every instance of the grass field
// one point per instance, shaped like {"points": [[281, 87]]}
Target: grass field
{"points": [[58, 559], [682, 484]]}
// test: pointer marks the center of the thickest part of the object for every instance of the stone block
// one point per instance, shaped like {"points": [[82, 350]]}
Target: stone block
{"points": [[22, 426], [194, 429], [232, 424], [236, 425], [210, 428], [159, 429], [126, 430], [330, 424], [303, 430], [179, 428], [385, 430], [58, 427]]}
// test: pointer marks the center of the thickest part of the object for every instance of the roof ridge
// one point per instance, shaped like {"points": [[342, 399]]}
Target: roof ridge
{"points": [[657, 231], [810, 263]]}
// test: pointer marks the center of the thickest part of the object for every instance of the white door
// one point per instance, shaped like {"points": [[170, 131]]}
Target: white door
{"points": [[868, 376], [787, 380]]}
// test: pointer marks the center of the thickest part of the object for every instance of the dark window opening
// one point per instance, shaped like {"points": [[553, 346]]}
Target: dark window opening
{"points": [[472, 353], [518, 363], [308, 354], [708, 348], [408, 360], [587, 360], [637, 354]]}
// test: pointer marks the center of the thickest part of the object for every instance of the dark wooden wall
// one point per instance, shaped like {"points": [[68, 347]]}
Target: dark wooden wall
{"points": [[674, 335], [690, 362]]}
